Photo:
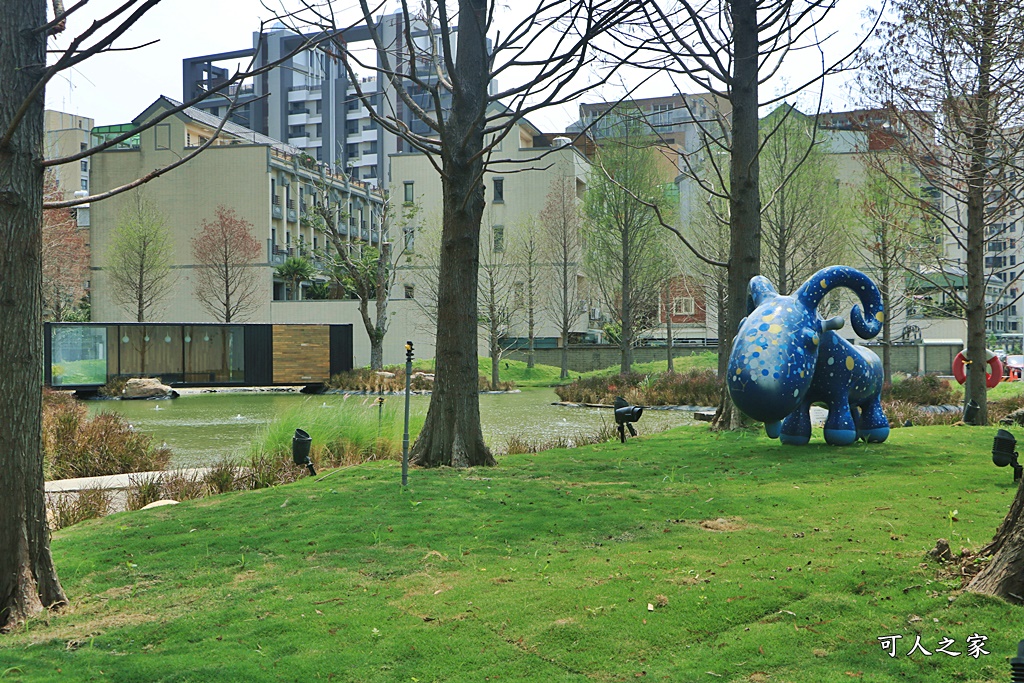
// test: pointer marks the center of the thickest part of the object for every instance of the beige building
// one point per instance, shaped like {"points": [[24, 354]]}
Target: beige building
{"points": [[524, 168], [67, 134], [268, 183]]}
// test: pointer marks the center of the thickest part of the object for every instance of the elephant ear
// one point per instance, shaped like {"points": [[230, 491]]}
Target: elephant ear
{"points": [[758, 291]]}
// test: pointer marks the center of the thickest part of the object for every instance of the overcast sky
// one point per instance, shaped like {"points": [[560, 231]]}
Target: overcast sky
{"points": [[115, 87]]}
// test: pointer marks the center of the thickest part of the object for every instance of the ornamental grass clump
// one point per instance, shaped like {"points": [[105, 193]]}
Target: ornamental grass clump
{"points": [[926, 390], [389, 380], [75, 446], [346, 433], [698, 387]]}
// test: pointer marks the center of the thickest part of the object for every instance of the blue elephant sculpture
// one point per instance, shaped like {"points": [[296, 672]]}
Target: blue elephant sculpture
{"points": [[786, 357]]}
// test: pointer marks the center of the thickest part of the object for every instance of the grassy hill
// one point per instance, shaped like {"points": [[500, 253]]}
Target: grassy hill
{"points": [[683, 556]]}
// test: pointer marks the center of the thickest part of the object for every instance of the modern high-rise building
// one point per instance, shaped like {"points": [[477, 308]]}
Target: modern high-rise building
{"points": [[310, 101]]}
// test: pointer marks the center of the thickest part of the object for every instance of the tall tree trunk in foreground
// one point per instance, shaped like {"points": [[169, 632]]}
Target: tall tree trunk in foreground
{"points": [[28, 580], [1003, 576], [744, 198], [451, 434]]}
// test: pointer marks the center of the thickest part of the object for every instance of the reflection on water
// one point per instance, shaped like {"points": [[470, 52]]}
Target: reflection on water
{"points": [[201, 428]]}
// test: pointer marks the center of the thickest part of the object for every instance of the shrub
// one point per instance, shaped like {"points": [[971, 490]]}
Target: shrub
{"points": [[178, 485], [71, 508], [899, 412], [926, 390], [142, 491], [694, 387], [222, 477], [75, 446], [519, 444]]}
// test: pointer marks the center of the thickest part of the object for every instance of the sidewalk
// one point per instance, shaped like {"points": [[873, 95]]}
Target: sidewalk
{"points": [[116, 481]]}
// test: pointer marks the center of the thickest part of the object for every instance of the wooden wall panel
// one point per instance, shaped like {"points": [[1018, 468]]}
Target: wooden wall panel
{"points": [[302, 354]]}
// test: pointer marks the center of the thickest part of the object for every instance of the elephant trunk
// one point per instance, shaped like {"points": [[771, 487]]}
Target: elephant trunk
{"points": [[867, 323]]}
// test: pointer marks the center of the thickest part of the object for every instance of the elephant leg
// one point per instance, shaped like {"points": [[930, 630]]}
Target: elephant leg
{"points": [[796, 428], [840, 429], [874, 426], [772, 429]]}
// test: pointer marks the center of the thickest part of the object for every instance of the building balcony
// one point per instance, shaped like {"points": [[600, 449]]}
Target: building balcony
{"points": [[275, 210], [299, 142], [299, 119]]}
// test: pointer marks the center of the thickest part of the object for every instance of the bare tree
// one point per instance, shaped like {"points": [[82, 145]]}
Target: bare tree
{"points": [[500, 296], [445, 78], [625, 255], [804, 217], [950, 74], [562, 247], [224, 252], [65, 257], [28, 579], [139, 258], [730, 49], [895, 237], [528, 257], [366, 270]]}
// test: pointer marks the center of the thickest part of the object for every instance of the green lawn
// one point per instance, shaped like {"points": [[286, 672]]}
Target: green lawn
{"points": [[683, 556]]}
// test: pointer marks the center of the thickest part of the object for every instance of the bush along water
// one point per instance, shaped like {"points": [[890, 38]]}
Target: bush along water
{"points": [[698, 387], [75, 446], [391, 380]]}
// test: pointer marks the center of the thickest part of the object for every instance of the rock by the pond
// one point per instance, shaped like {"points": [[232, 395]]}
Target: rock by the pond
{"points": [[159, 504], [146, 388]]}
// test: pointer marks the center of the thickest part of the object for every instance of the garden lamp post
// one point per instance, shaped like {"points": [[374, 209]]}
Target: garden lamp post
{"points": [[405, 434]]}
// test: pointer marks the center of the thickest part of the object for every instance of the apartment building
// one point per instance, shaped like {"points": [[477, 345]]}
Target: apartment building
{"points": [[516, 191], [67, 134], [310, 101], [270, 184]]}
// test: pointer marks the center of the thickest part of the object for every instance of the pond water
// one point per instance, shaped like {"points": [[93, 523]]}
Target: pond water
{"points": [[201, 428]]}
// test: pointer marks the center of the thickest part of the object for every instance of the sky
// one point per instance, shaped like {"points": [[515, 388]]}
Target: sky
{"points": [[115, 87]]}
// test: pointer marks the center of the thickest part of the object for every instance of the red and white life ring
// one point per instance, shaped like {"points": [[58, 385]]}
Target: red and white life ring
{"points": [[992, 377]]}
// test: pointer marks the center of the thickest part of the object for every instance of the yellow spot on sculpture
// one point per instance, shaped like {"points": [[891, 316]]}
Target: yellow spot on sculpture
{"points": [[824, 285], [880, 316], [775, 329], [849, 362], [768, 318], [739, 371], [815, 340]]}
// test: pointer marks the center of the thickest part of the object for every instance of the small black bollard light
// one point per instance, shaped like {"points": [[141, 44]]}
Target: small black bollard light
{"points": [[1017, 665], [971, 412], [301, 443], [1004, 453], [625, 415]]}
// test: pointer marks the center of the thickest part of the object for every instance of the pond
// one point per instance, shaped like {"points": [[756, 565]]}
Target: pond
{"points": [[201, 428]]}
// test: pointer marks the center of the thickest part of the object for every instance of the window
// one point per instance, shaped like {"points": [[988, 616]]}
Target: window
{"points": [[352, 104], [85, 165], [409, 191], [410, 291], [319, 130], [82, 146], [499, 191], [410, 238], [682, 305], [371, 147], [85, 184], [352, 150], [352, 127], [499, 237]]}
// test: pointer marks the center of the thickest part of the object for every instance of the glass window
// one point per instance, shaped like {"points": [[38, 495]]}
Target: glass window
{"points": [[499, 237], [499, 190], [409, 191], [78, 355]]}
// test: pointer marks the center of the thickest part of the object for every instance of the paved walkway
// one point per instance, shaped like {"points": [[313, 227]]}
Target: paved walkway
{"points": [[116, 481]]}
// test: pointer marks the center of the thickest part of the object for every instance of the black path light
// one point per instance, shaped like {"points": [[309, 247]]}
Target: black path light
{"points": [[625, 416], [1004, 453], [1017, 665], [301, 444]]}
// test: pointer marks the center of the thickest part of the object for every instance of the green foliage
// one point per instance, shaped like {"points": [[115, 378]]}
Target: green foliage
{"points": [[318, 291], [351, 432], [66, 509], [296, 269], [516, 373], [770, 562], [74, 446], [139, 259]]}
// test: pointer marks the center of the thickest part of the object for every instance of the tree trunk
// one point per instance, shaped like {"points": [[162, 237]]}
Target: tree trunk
{"points": [[451, 434], [626, 328], [744, 200], [668, 328], [28, 579], [977, 390], [1003, 576]]}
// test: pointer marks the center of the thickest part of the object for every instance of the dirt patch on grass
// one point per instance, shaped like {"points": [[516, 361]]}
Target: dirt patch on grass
{"points": [[723, 524]]}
